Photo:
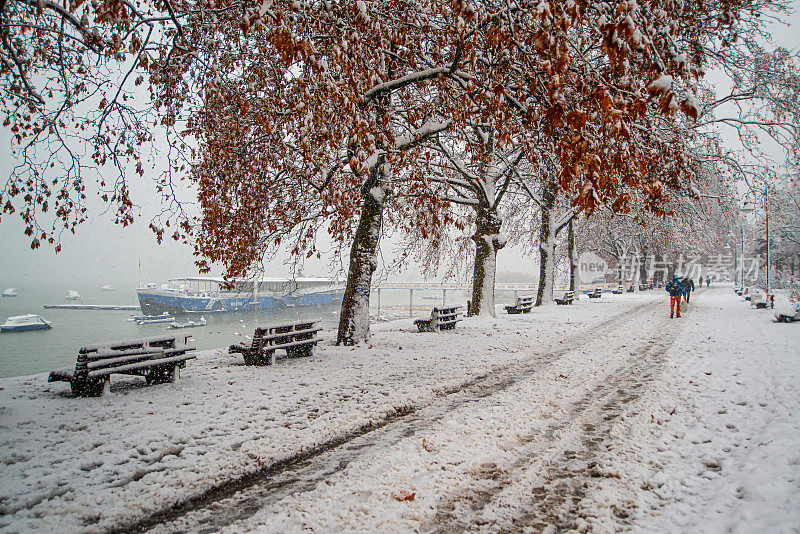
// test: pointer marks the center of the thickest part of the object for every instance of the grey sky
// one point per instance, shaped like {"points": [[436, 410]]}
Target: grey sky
{"points": [[103, 253]]}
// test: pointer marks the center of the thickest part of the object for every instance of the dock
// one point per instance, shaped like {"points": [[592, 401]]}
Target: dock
{"points": [[90, 307]]}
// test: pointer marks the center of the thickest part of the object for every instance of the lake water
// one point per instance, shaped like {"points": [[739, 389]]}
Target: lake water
{"points": [[26, 353]]}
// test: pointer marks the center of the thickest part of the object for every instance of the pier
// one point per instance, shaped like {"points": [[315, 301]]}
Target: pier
{"points": [[90, 307]]}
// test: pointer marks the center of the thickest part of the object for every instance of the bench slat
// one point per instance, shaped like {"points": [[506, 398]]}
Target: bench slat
{"points": [[138, 342], [310, 341], [141, 365], [91, 357], [291, 333], [112, 362]]}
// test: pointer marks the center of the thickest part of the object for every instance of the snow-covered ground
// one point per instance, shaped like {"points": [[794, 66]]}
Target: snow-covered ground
{"points": [[602, 415]]}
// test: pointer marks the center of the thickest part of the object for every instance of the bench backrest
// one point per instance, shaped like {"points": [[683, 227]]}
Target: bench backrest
{"points": [[568, 295], [283, 333], [446, 310], [524, 301], [445, 314], [169, 344]]}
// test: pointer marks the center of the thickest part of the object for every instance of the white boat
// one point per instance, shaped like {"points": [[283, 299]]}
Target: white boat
{"points": [[73, 295], [155, 319], [107, 287], [22, 323], [189, 324], [164, 315], [10, 292]]}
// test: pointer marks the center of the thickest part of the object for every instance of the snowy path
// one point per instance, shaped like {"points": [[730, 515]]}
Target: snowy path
{"points": [[602, 416], [245, 498], [514, 453]]}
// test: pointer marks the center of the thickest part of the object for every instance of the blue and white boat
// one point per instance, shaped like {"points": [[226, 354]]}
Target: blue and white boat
{"points": [[23, 323], [10, 292], [208, 295]]}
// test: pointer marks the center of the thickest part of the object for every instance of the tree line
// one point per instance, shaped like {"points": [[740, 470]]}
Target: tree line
{"points": [[459, 124]]}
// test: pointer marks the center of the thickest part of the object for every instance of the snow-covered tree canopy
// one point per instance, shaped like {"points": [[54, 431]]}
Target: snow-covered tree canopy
{"points": [[293, 104]]}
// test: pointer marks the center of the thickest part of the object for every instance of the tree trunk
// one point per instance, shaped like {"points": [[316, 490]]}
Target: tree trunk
{"points": [[354, 317], [487, 242], [547, 247], [574, 282]]}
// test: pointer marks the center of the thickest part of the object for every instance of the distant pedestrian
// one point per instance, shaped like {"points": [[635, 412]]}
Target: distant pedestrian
{"points": [[700, 282], [688, 287], [708, 281], [675, 290]]}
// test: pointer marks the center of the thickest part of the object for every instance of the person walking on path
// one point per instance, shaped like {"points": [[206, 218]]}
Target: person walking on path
{"points": [[675, 290], [688, 287], [700, 282]]}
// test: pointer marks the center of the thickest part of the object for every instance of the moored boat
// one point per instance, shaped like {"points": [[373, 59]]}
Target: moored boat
{"points": [[72, 295], [23, 323], [10, 292], [188, 324], [164, 315], [107, 287], [181, 296], [164, 318]]}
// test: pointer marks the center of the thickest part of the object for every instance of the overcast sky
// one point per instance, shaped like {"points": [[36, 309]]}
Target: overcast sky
{"points": [[103, 253]]}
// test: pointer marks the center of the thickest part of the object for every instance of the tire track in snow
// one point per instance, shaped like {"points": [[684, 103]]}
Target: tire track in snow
{"points": [[241, 498], [558, 473]]}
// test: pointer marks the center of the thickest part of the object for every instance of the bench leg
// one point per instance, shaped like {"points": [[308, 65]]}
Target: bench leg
{"points": [[93, 387], [259, 358], [162, 374], [298, 352], [425, 326]]}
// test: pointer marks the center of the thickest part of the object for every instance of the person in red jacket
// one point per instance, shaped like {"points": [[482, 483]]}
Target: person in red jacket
{"points": [[676, 291]]}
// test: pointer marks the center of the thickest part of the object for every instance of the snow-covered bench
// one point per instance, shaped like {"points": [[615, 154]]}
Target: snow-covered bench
{"points": [[442, 318], [567, 298], [788, 315], [157, 358], [760, 299], [595, 293], [522, 305], [297, 339]]}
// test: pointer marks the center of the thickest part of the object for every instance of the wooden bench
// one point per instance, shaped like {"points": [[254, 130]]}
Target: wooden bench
{"points": [[157, 358], [595, 293], [760, 299], [618, 291], [297, 339], [442, 318], [788, 316], [567, 298], [522, 305]]}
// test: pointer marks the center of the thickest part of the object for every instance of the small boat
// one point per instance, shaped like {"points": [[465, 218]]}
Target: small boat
{"points": [[10, 292], [73, 295], [164, 315], [107, 287], [155, 319], [188, 324], [22, 323]]}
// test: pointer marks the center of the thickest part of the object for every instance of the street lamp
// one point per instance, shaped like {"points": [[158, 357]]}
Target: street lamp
{"points": [[747, 207]]}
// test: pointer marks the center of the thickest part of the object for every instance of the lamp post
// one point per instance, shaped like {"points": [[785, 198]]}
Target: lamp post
{"points": [[766, 209], [747, 207]]}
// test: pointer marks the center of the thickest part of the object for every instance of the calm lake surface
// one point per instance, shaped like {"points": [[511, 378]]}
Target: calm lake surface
{"points": [[26, 353]]}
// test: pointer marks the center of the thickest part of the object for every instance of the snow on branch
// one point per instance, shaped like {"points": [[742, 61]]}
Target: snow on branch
{"points": [[403, 81]]}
